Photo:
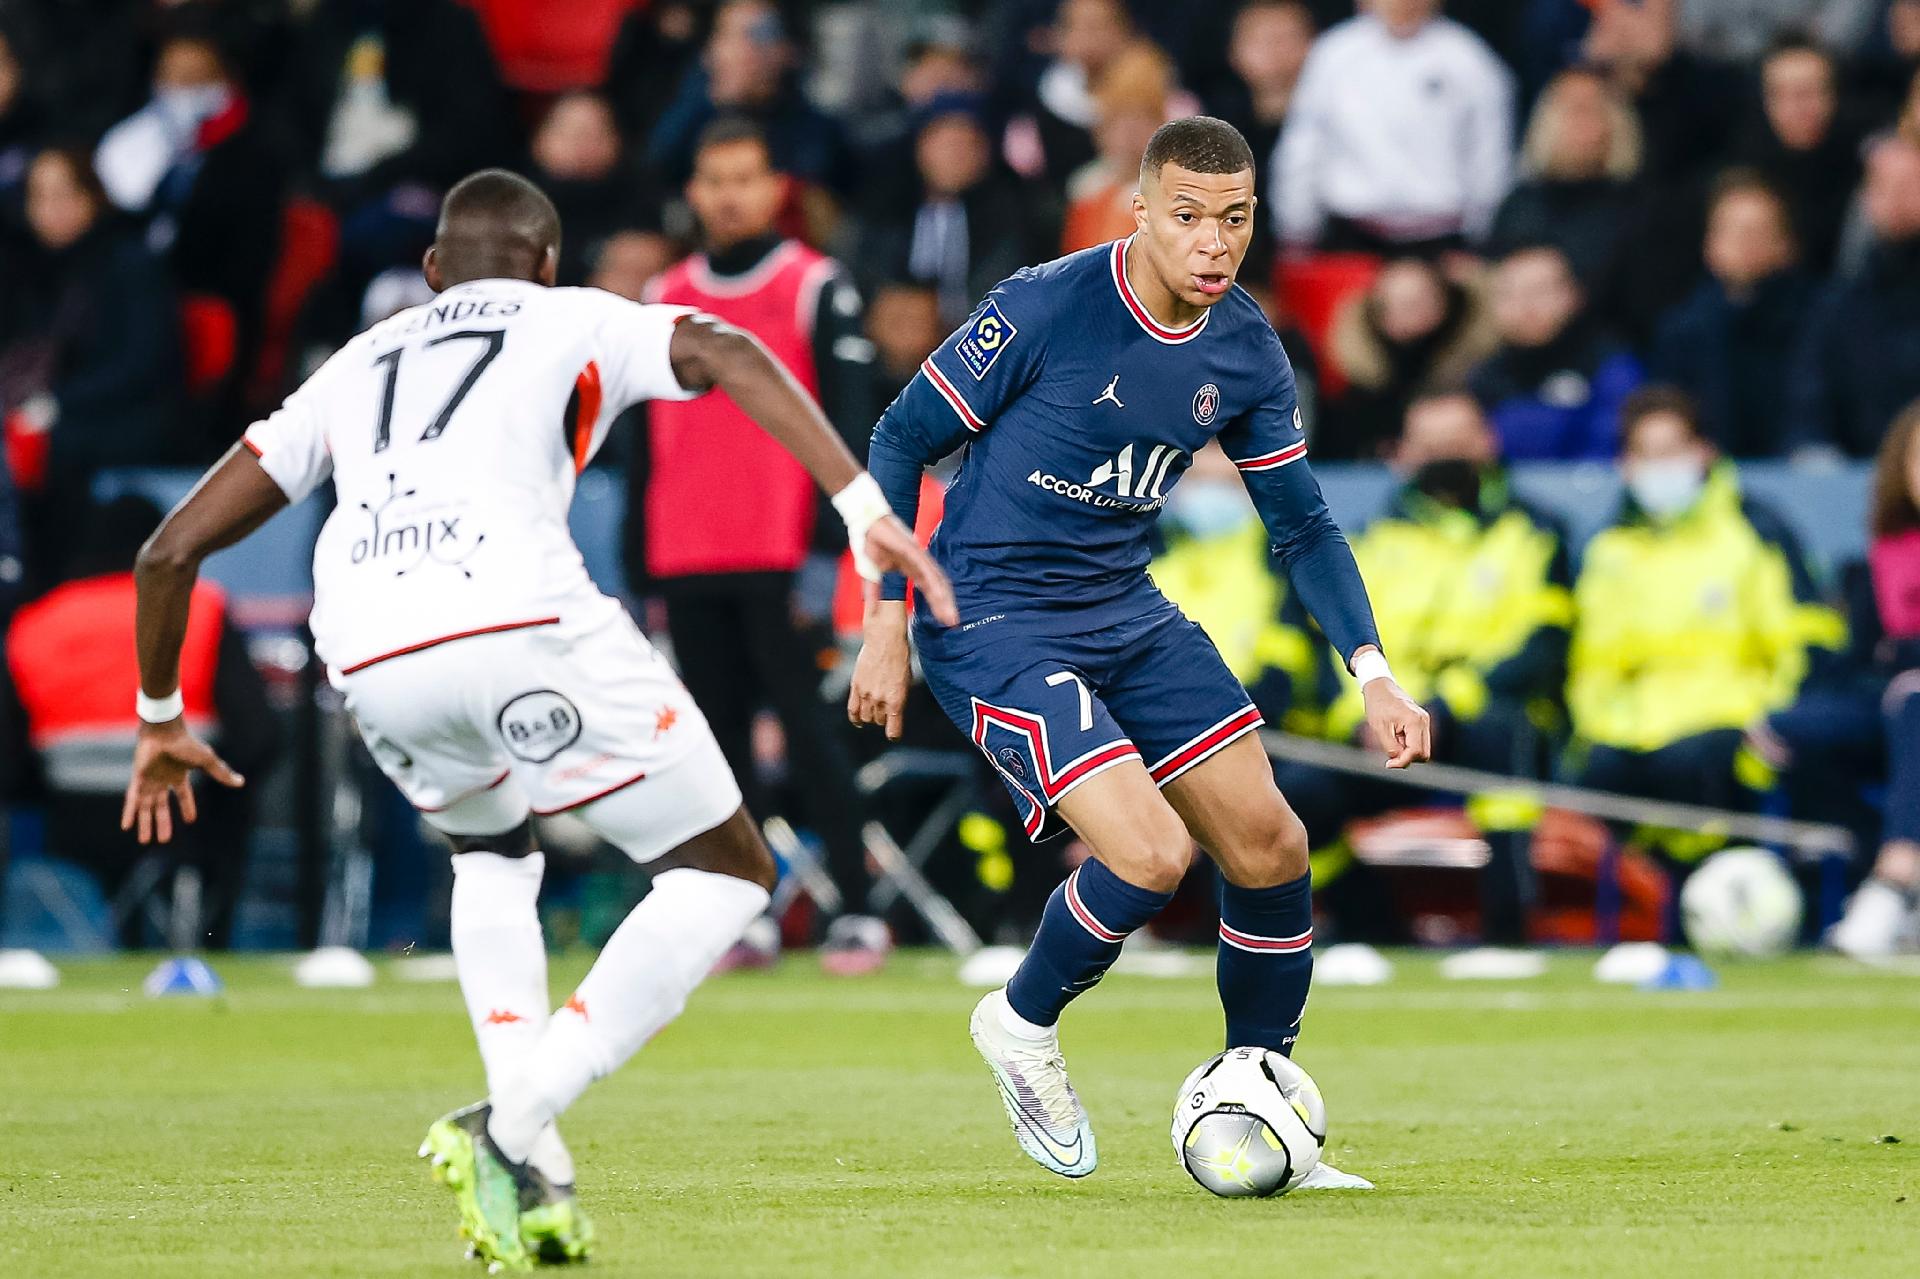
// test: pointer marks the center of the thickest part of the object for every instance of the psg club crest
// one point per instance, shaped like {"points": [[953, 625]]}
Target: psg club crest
{"points": [[1206, 403], [1014, 762]]}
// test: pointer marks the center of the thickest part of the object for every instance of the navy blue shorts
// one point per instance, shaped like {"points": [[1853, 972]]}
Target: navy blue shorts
{"points": [[1049, 710]]}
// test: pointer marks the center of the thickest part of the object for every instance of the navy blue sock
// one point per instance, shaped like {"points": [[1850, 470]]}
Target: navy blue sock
{"points": [[1086, 919], [1266, 962]]}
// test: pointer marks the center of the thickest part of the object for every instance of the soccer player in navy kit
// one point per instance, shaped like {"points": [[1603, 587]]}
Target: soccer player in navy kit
{"points": [[1081, 390]]}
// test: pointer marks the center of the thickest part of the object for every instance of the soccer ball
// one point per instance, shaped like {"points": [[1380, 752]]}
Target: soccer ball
{"points": [[1249, 1122], [1741, 902]]}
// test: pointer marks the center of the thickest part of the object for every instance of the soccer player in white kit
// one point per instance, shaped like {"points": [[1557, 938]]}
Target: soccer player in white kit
{"points": [[489, 678]]}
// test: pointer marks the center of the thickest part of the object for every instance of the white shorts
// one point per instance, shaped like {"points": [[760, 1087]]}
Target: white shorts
{"points": [[479, 732]]}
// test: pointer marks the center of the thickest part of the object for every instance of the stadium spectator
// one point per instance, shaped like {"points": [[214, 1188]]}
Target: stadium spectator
{"points": [[657, 45], [1131, 101], [20, 133], [577, 162], [1881, 74], [1578, 163], [1870, 726], [628, 261], [970, 225], [1743, 30], [1694, 615], [1413, 327], [1266, 53], [903, 322], [1730, 345], [394, 92], [1859, 363], [1400, 135], [1554, 386], [748, 69], [1054, 137], [67, 724], [196, 169], [1218, 568], [90, 370], [1471, 589], [1803, 148], [933, 70], [739, 580]]}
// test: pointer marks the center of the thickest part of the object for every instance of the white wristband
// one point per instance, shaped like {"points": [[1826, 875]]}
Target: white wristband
{"points": [[862, 505], [1370, 666], [159, 710]]}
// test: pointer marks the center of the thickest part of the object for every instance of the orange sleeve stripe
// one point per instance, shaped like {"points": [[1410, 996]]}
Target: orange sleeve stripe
{"points": [[586, 389]]}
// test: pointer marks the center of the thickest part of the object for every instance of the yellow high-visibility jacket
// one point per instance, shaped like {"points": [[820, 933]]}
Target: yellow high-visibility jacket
{"points": [[1231, 587], [1701, 622], [1471, 604]]}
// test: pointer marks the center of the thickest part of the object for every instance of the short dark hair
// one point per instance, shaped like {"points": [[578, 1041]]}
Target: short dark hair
{"points": [[1654, 399], [1797, 42], [729, 129], [495, 223], [1198, 144]]}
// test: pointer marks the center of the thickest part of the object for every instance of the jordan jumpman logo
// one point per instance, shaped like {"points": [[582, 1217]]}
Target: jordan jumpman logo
{"points": [[1109, 394]]}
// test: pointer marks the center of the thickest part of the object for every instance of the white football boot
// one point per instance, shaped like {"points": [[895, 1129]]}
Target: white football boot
{"points": [[1326, 1177], [1048, 1120], [1871, 927]]}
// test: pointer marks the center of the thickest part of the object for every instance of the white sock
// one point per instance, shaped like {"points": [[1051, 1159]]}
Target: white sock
{"points": [[641, 981], [501, 957], [1014, 1024]]}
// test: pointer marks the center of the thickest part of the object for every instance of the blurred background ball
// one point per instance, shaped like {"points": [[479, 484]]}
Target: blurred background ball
{"points": [[1249, 1123], [1741, 902]]}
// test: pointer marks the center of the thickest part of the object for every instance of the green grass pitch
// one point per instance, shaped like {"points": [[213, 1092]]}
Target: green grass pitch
{"points": [[794, 1125]]}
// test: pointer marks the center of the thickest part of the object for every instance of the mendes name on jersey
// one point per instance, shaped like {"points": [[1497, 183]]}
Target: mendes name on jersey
{"points": [[1079, 412]]}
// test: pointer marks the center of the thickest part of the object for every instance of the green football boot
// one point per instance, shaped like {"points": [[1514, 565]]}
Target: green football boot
{"points": [[485, 1185], [552, 1226]]}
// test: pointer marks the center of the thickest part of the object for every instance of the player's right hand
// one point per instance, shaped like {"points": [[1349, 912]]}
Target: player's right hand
{"points": [[881, 672], [892, 548], [164, 759]]}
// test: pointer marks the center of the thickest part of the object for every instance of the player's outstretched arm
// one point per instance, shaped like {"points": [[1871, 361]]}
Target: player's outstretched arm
{"points": [[708, 354], [236, 497], [1321, 566]]}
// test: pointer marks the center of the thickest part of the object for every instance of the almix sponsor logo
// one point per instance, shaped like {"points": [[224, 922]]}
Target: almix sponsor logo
{"points": [[403, 542], [1134, 488]]}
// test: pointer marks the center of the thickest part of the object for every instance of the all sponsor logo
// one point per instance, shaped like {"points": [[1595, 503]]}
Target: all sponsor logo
{"points": [[537, 726]]}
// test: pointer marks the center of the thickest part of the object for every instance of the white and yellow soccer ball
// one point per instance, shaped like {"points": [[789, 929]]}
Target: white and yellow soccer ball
{"points": [[1249, 1122], [1741, 902]]}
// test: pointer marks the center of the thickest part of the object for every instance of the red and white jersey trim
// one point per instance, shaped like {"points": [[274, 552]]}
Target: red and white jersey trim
{"points": [[1207, 744], [1276, 459], [1265, 945], [1158, 331], [1055, 783], [951, 394]]}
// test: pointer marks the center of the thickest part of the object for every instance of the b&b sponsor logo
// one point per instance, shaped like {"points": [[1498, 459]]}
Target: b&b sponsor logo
{"points": [[537, 726]]}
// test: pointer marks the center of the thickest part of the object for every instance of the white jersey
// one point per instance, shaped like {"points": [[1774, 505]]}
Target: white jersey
{"points": [[454, 433]]}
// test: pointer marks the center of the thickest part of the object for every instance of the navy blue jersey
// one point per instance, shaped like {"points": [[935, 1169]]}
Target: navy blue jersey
{"points": [[1079, 412]]}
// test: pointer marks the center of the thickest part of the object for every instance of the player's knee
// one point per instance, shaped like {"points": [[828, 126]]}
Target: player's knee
{"points": [[1156, 858], [734, 847], [1271, 849]]}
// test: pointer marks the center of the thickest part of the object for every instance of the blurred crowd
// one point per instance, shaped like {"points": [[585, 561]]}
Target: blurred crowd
{"points": [[1661, 233]]}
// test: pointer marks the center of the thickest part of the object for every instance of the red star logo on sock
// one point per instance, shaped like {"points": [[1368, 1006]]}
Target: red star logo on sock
{"points": [[665, 720], [575, 1004], [502, 1017]]}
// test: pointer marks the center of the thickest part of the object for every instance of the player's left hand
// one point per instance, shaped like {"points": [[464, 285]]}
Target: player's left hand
{"points": [[892, 548], [1398, 725], [164, 759]]}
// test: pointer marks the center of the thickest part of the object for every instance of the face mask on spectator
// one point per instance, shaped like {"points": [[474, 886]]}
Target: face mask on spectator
{"points": [[186, 107], [1666, 488], [1206, 508], [1454, 481]]}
